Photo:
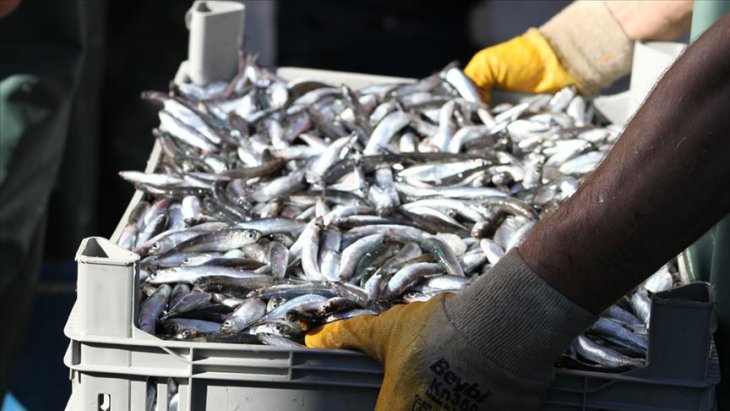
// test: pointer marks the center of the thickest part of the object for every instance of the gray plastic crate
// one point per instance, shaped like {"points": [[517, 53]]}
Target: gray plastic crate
{"points": [[111, 360]]}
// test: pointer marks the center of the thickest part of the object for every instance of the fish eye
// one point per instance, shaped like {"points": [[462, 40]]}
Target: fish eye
{"points": [[227, 323]]}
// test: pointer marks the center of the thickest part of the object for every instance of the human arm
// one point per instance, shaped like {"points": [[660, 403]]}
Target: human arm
{"points": [[588, 44], [652, 20], [666, 181]]}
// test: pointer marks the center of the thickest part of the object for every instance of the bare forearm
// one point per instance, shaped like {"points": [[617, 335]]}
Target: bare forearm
{"points": [[666, 182], [652, 20]]}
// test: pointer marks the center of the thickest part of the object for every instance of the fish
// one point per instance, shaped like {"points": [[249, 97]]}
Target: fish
{"points": [[151, 397], [352, 254], [250, 311], [220, 240], [409, 275], [602, 355], [278, 341], [183, 329], [616, 333], [641, 305], [279, 206], [151, 308], [191, 274]]}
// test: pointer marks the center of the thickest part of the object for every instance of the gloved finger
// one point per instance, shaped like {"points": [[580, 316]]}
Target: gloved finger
{"points": [[365, 333], [480, 71], [375, 334]]}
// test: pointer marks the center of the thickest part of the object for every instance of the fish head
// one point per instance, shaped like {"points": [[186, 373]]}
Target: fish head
{"points": [[186, 334], [252, 235], [155, 248], [273, 303], [229, 326]]}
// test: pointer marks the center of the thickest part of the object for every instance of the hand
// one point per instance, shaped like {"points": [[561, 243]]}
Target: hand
{"points": [[427, 366], [526, 63], [491, 347]]}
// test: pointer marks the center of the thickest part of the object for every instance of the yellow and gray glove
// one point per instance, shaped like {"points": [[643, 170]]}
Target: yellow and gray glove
{"points": [[490, 348], [583, 45]]}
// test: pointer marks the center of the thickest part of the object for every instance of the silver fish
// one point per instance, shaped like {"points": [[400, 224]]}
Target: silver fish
{"points": [[352, 254], [250, 311], [190, 274], [152, 307], [222, 240], [602, 355], [385, 130]]}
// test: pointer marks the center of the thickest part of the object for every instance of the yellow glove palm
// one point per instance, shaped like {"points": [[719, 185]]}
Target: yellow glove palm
{"points": [[395, 338], [526, 63]]}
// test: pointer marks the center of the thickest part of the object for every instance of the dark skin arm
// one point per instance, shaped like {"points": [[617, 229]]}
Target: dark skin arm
{"points": [[664, 184]]}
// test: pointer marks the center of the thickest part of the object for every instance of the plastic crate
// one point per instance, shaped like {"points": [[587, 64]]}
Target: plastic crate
{"points": [[111, 360], [110, 356]]}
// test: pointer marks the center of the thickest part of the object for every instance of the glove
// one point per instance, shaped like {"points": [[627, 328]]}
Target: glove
{"points": [[492, 347], [583, 45], [526, 63]]}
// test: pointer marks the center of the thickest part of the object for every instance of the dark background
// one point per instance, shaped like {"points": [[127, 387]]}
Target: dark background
{"points": [[132, 46]]}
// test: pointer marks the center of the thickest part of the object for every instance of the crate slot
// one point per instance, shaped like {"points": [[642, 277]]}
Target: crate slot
{"points": [[104, 402]]}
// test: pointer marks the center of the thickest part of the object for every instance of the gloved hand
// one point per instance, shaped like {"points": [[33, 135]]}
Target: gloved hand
{"points": [[492, 347], [583, 45], [526, 63]]}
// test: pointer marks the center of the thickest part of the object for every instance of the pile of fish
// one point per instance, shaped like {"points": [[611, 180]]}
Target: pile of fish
{"points": [[278, 206]]}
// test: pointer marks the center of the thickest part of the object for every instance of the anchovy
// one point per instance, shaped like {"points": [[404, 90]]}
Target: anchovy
{"points": [[289, 291], [444, 254], [278, 341], [385, 130], [128, 237], [492, 250], [152, 307], [408, 276], [179, 291], [222, 240], [619, 335], [231, 284], [155, 226], [622, 315], [183, 328], [301, 303], [602, 355], [352, 254], [641, 305], [660, 281], [194, 300], [278, 259], [163, 180], [310, 250], [250, 311], [280, 187], [190, 274]]}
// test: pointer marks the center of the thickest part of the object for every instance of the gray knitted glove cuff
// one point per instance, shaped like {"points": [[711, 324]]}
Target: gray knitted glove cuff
{"points": [[517, 320]]}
